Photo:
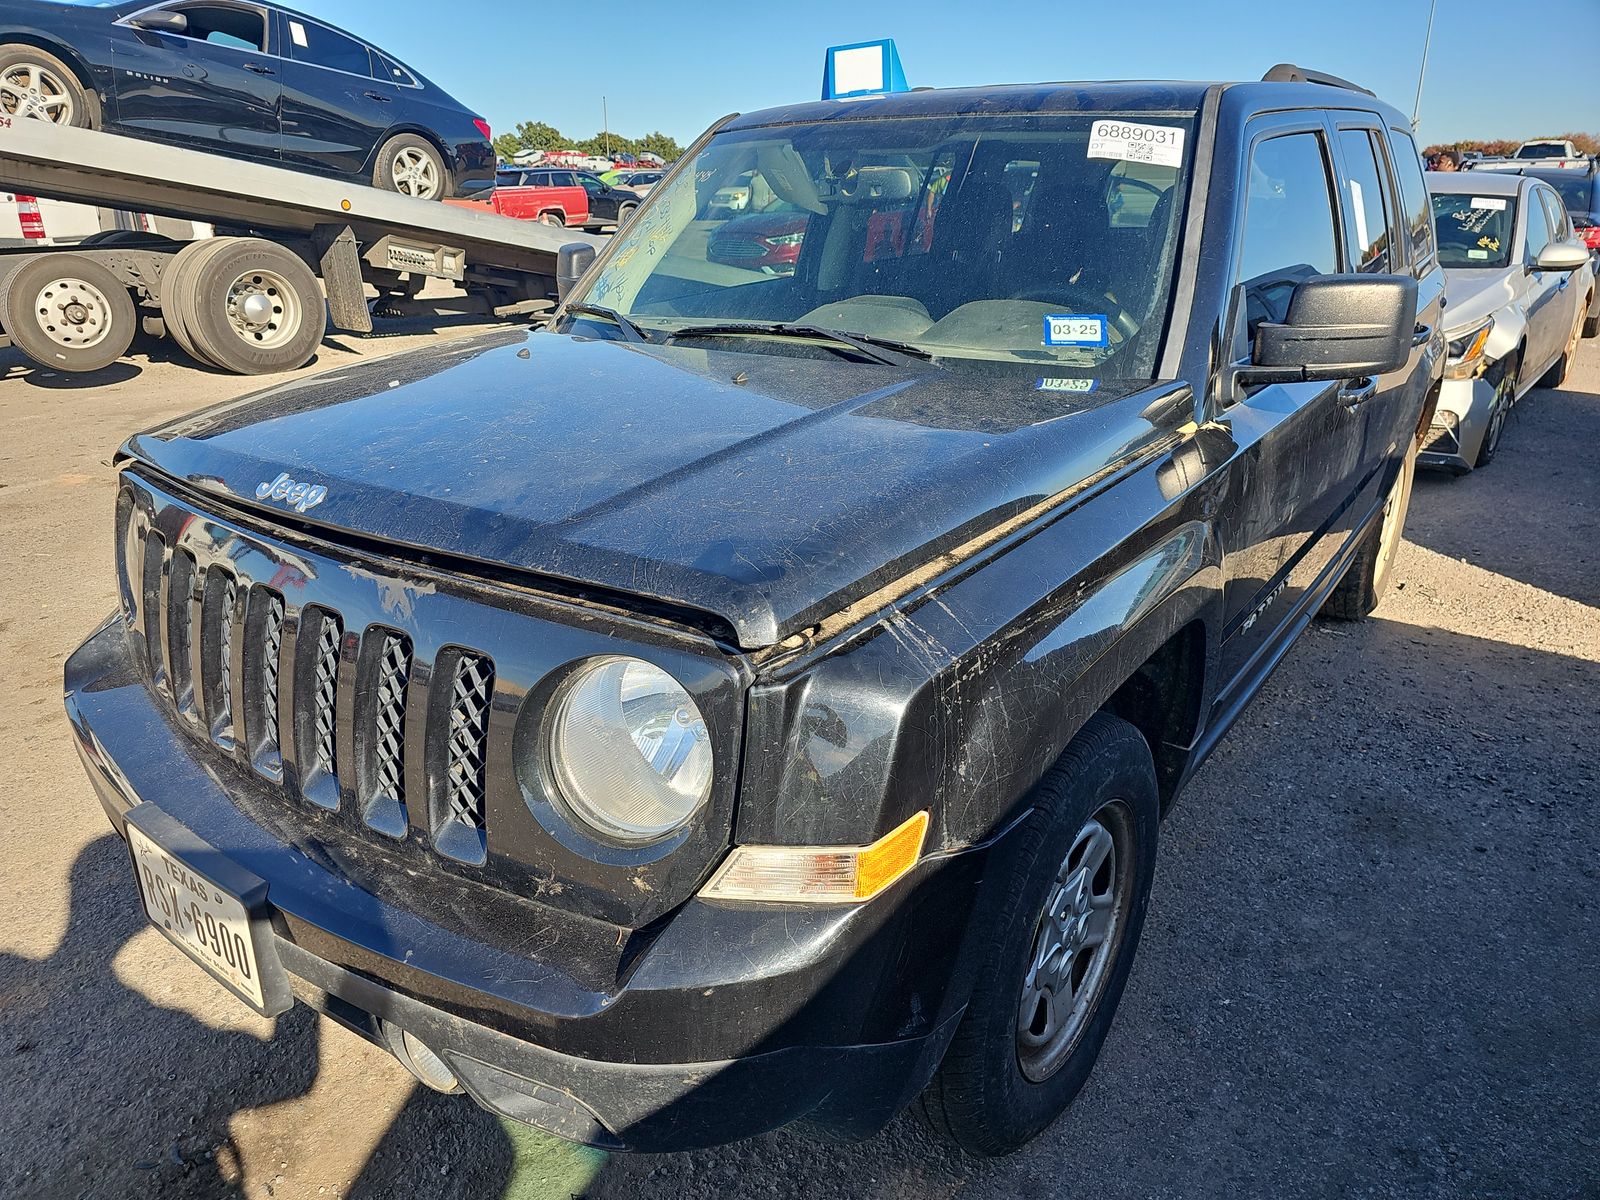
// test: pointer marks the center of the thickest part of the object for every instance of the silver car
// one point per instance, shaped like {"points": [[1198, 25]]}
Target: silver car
{"points": [[1518, 286]]}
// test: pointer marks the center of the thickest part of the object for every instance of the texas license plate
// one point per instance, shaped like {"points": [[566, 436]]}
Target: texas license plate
{"points": [[205, 920]]}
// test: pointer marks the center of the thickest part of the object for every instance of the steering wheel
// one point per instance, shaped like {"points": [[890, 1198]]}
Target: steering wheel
{"points": [[1077, 298], [1130, 181]]}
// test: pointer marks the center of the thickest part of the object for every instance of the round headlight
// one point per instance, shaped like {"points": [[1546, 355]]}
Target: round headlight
{"points": [[627, 750]]}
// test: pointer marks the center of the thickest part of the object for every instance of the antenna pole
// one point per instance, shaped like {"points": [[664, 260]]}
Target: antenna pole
{"points": [[1416, 109]]}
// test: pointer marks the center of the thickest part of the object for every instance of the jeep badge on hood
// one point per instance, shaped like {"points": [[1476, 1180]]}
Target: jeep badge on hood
{"points": [[299, 496]]}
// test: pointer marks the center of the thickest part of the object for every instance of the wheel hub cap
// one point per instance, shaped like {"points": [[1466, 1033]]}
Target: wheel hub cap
{"points": [[256, 309]]}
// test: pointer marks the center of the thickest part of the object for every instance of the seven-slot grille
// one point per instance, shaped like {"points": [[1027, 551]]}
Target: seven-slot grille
{"points": [[200, 628]]}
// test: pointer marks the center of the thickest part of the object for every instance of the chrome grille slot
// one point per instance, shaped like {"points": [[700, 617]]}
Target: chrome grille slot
{"points": [[151, 569], [464, 681], [263, 649], [381, 729], [180, 630], [316, 706], [218, 605]]}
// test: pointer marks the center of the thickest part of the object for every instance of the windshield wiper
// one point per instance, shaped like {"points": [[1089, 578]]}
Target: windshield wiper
{"points": [[865, 344], [629, 329]]}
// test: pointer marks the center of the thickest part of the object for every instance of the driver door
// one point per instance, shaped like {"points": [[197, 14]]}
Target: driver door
{"points": [[1289, 508], [213, 87]]}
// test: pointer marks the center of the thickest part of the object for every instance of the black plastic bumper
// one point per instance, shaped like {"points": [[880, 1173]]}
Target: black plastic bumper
{"points": [[733, 1020]]}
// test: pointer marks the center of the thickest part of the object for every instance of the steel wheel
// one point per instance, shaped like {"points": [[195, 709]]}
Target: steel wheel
{"points": [[32, 89], [1075, 942], [415, 173], [263, 309], [67, 312], [73, 313]]}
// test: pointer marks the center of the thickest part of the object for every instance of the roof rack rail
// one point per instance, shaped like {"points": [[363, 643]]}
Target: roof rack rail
{"points": [[1289, 73]]}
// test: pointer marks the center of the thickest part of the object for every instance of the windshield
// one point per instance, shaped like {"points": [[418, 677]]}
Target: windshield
{"points": [[1474, 231], [1006, 238], [1543, 150]]}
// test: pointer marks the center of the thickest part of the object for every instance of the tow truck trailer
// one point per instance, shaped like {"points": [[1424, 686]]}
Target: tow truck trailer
{"points": [[246, 300]]}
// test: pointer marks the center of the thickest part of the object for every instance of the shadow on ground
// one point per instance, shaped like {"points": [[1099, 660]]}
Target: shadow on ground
{"points": [[1534, 513]]}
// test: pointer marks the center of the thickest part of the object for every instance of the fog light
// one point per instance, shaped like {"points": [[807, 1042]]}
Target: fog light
{"points": [[426, 1065], [820, 874]]}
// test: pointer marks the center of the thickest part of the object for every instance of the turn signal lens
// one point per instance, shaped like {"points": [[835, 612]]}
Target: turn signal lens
{"points": [[819, 874]]}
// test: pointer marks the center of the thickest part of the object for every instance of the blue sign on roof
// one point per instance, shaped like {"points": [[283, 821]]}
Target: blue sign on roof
{"points": [[862, 69]]}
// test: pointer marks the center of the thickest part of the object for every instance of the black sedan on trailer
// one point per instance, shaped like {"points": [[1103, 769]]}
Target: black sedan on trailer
{"points": [[244, 79]]}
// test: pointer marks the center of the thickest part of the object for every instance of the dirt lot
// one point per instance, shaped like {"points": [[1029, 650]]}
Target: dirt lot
{"points": [[1372, 965]]}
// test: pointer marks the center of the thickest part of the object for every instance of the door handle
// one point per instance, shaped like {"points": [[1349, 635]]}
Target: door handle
{"points": [[259, 69], [1421, 335], [1354, 395], [378, 96]]}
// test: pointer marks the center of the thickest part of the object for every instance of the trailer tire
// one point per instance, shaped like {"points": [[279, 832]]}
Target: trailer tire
{"points": [[410, 165], [253, 308], [175, 292], [55, 93], [68, 312]]}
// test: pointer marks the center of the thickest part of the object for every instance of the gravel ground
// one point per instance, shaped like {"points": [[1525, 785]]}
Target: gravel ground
{"points": [[1371, 968]]}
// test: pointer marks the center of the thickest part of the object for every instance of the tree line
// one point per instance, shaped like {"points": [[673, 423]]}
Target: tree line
{"points": [[536, 135], [1587, 143]]}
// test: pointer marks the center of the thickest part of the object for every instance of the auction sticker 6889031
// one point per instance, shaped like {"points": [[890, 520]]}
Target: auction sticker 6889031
{"points": [[1129, 141]]}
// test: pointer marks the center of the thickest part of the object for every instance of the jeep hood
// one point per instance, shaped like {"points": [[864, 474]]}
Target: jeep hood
{"points": [[764, 489]]}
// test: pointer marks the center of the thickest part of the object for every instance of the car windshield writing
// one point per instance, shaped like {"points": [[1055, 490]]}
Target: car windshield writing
{"points": [[1474, 231], [994, 238]]}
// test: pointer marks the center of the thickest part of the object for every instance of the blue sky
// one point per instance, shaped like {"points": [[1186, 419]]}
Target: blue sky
{"points": [[677, 67]]}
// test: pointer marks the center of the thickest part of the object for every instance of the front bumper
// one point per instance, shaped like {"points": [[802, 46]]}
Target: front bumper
{"points": [[1455, 447], [728, 1021]]}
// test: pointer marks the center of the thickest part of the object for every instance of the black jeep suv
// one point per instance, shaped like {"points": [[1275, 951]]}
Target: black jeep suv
{"points": [[756, 698]]}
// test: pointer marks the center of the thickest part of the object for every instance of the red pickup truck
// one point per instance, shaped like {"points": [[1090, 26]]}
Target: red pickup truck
{"points": [[553, 196]]}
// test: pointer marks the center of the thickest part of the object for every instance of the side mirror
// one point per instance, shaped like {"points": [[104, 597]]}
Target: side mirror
{"points": [[161, 21], [1338, 327], [572, 260], [1566, 255]]}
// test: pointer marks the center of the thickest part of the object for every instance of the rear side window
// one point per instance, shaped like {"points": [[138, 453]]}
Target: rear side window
{"points": [[536, 179], [565, 179], [1367, 204], [319, 46], [1289, 231], [384, 67], [1413, 192]]}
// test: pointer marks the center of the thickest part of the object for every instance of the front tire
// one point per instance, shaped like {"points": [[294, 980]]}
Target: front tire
{"points": [[68, 312], [1075, 884], [1367, 578], [38, 85], [1505, 395], [409, 164]]}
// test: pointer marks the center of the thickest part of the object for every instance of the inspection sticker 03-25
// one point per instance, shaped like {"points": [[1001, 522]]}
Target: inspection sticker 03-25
{"points": [[1074, 329]]}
